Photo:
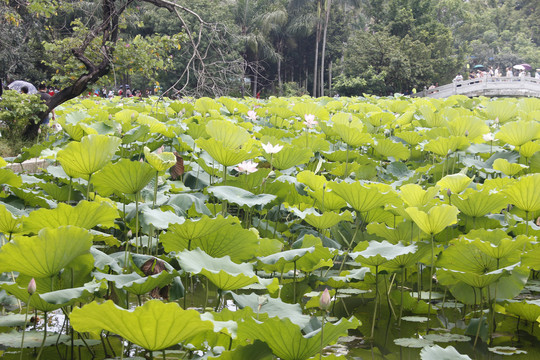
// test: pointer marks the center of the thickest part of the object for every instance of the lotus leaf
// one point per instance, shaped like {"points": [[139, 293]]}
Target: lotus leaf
{"points": [[241, 244], [7, 177], [443, 146], [506, 248], [402, 232], [194, 229], [471, 127], [289, 156], [478, 281], [53, 300], [413, 195], [154, 326], [92, 153], [359, 196], [222, 272], [528, 310], [47, 253], [273, 307], [305, 108], [32, 339], [10, 223], [413, 342], [160, 162], [435, 352], [85, 215], [327, 219], [500, 109], [378, 253], [287, 341], [529, 149], [224, 155], [388, 148], [523, 193], [479, 203], [136, 284], [517, 133], [239, 196], [435, 220], [153, 124], [508, 168], [206, 105], [124, 177], [506, 350], [456, 183], [231, 135], [352, 135]]}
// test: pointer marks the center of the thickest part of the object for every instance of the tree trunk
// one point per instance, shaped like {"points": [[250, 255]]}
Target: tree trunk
{"points": [[317, 41], [328, 5], [330, 78]]}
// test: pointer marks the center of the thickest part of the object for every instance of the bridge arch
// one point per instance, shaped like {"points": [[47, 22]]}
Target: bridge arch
{"points": [[488, 86]]}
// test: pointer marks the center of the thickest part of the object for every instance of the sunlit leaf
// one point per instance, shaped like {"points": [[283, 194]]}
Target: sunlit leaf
{"points": [[435, 220], [124, 177]]}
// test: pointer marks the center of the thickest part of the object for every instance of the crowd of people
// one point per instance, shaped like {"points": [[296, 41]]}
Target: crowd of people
{"points": [[490, 72]]}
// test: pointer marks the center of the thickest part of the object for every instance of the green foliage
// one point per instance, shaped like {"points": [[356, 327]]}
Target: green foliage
{"points": [[17, 112]]}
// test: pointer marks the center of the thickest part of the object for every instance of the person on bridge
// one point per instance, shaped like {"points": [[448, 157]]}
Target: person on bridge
{"points": [[537, 74], [509, 72]]}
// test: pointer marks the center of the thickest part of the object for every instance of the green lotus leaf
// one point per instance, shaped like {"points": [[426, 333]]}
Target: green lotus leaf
{"points": [[402, 232], [124, 177], [7, 177], [283, 261], [239, 196], [479, 203], [178, 236], [136, 284], [229, 134], [505, 248], [326, 199], [234, 107], [256, 351], [528, 310], [378, 253], [228, 239], [160, 162], [359, 196], [224, 155], [286, 339], [53, 300], [84, 158], [469, 126], [508, 168], [414, 196], [478, 281], [154, 326], [443, 146], [2, 162], [523, 193], [388, 148], [528, 149], [352, 136], [60, 193], [407, 259], [153, 124], [500, 109], [435, 220], [272, 307], [85, 215], [126, 116], [321, 257], [411, 137], [206, 105], [435, 352], [517, 133], [32, 339], [222, 272], [47, 253], [456, 183], [380, 118], [306, 108], [506, 350], [10, 223], [328, 219], [289, 156], [531, 258]]}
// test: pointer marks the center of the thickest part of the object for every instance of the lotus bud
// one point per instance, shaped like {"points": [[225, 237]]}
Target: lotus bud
{"points": [[110, 117], [325, 300], [466, 133], [449, 192], [32, 286], [350, 119], [496, 120], [132, 116], [263, 299], [538, 221]]}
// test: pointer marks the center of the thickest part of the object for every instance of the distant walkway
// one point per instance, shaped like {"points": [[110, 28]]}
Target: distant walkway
{"points": [[487, 86]]}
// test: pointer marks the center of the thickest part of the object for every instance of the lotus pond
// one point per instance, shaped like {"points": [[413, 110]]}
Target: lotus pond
{"points": [[370, 228]]}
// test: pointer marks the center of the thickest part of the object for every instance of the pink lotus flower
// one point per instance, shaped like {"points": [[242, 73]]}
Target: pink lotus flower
{"points": [[488, 137], [325, 300], [246, 167], [252, 115], [272, 149], [32, 286], [310, 120]]}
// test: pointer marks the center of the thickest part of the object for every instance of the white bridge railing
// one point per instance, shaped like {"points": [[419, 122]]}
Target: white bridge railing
{"points": [[487, 86]]}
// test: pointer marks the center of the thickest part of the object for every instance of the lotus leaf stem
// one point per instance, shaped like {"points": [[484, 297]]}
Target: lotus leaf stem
{"points": [[88, 187], [294, 281], [44, 335], [479, 321], [376, 300], [322, 333], [137, 222], [25, 322], [431, 278]]}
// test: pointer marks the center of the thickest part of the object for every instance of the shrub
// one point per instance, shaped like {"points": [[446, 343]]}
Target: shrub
{"points": [[17, 111]]}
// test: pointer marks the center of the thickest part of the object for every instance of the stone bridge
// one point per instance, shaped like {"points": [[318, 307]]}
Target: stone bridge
{"points": [[487, 86]]}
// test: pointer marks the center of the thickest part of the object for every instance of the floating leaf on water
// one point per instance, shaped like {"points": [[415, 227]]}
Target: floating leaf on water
{"points": [[12, 320], [446, 337], [413, 342], [241, 197], [32, 339], [415, 319], [506, 350], [436, 352]]}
